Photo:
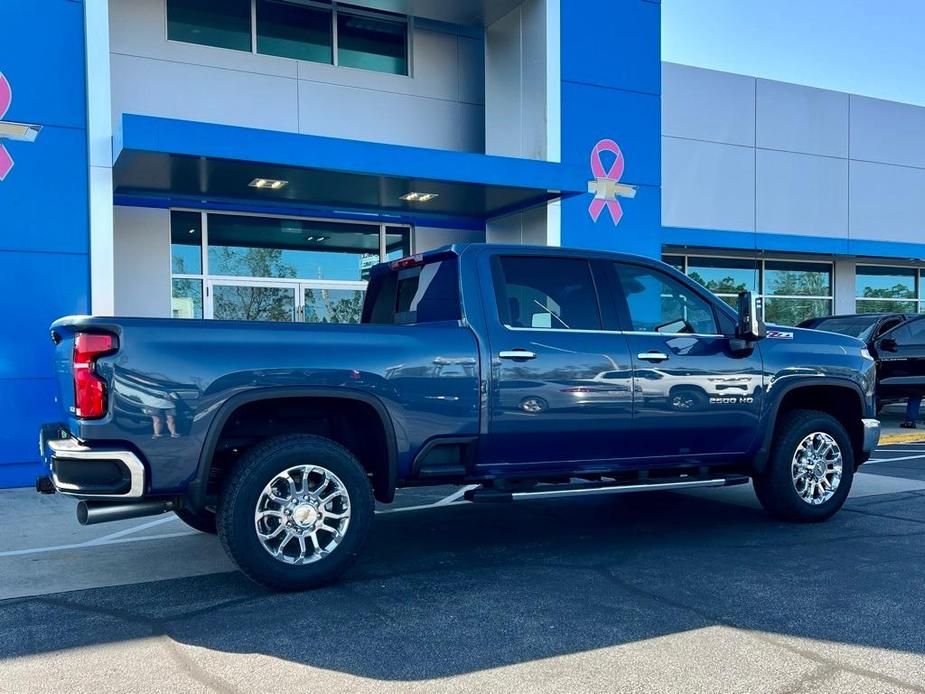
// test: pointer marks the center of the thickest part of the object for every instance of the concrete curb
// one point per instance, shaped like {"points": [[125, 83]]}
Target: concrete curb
{"points": [[887, 439]]}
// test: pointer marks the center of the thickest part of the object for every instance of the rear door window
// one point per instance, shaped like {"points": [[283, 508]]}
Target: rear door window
{"points": [[549, 293]]}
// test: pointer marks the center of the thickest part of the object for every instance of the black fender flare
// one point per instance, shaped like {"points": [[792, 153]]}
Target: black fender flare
{"points": [[769, 421], [384, 486]]}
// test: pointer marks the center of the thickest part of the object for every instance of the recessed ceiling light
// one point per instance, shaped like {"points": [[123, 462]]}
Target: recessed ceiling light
{"points": [[192, 231], [271, 183], [309, 238], [322, 238], [419, 197]]}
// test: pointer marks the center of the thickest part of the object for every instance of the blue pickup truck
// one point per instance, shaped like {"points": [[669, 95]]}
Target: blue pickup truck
{"points": [[530, 372]]}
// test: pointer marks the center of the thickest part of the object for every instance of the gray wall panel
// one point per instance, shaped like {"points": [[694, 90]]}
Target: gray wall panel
{"points": [[887, 132], [141, 248], [801, 194], [193, 92], [708, 105], [794, 118], [887, 202], [707, 185]]}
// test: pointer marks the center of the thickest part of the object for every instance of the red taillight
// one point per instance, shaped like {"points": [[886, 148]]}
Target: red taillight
{"points": [[90, 389]]}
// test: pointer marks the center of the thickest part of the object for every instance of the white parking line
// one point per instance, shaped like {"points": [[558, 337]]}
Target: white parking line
{"points": [[125, 535], [893, 460]]}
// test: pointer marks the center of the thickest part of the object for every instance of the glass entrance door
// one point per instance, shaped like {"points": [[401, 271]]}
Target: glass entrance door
{"points": [[270, 300], [332, 303], [252, 300]]}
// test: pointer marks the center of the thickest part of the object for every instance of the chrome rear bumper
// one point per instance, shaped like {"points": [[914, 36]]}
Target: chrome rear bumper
{"points": [[65, 451]]}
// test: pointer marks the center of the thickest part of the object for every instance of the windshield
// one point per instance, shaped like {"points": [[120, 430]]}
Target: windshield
{"points": [[855, 326]]}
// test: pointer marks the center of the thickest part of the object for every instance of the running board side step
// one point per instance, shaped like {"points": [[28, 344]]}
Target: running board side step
{"points": [[552, 491]]}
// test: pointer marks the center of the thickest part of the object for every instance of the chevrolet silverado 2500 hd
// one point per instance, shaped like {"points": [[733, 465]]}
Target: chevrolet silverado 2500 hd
{"points": [[531, 372]]}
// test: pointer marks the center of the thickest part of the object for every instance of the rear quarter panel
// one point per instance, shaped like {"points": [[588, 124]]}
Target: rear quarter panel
{"points": [[426, 377]]}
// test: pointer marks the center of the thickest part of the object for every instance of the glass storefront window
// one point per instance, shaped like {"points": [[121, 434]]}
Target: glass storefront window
{"points": [[241, 246], [797, 278], [185, 243], [724, 275], [224, 25], [882, 289], [372, 41], [293, 30], [676, 261], [795, 311], [253, 303], [186, 298], [324, 305]]}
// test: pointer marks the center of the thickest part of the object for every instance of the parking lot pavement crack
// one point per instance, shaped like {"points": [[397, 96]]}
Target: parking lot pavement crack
{"points": [[195, 671], [883, 515], [811, 680], [806, 654]]}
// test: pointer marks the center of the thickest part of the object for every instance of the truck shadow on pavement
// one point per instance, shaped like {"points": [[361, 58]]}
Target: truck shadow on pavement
{"points": [[459, 589]]}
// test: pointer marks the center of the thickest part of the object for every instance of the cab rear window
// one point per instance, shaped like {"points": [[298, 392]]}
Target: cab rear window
{"points": [[427, 293]]}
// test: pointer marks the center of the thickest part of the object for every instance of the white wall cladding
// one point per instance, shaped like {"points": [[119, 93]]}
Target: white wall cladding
{"points": [[820, 163], [441, 106]]}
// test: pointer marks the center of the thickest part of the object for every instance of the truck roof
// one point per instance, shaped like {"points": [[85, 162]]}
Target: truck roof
{"points": [[460, 248]]}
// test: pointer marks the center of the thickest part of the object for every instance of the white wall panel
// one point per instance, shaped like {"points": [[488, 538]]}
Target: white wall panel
{"points": [[794, 118], [887, 202], [428, 238], [801, 194], [888, 132], [707, 185], [142, 261], [708, 105], [193, 92]]}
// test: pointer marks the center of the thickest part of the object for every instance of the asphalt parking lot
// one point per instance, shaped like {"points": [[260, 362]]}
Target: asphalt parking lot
{"points": [[668, 592]]}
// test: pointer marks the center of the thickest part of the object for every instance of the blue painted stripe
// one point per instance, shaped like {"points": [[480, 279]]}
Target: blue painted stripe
{"points": [[210, 140], [793, 243]]}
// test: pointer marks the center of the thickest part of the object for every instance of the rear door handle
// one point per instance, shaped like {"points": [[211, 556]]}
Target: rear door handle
{"points": [[652, 356], [517, 354]]}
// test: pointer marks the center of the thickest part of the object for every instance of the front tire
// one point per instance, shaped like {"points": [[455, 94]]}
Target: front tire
{"points": [[810, 469], [296, 512]]}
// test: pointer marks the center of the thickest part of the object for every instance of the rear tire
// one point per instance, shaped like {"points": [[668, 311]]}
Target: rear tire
{"points": [[273, 519], [810, 469], [203, 520]]}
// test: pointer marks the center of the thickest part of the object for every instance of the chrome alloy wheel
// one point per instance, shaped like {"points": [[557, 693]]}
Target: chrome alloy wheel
{"points": [[302, 514], [817, 468]]}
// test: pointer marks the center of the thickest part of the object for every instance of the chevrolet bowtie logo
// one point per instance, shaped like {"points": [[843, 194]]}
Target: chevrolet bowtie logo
{"points": [[9, 130]]}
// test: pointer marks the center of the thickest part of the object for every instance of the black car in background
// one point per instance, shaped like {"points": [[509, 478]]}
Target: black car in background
{"points": [[867, 327], [895, 340]]}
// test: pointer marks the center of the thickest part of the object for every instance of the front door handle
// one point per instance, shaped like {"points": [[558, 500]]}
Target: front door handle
{"points": [[652, 356], [517, 354]]}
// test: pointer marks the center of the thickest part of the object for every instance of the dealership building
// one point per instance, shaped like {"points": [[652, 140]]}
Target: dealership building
{"points": [[252, 159]]}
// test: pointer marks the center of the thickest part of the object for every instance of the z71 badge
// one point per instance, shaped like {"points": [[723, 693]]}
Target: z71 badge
{"points": [[780, 335]]}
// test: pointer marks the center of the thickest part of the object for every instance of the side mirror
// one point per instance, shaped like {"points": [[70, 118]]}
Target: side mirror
{"points": [[750, 325], [887, 344]]}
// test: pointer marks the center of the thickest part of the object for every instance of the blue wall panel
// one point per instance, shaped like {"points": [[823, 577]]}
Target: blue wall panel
{"points": [[44, 238], [611, 72], [44, 197]]}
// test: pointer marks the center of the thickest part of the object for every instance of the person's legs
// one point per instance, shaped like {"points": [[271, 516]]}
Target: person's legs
{"points": [[913, 408], [172, 426], [157, 424]]}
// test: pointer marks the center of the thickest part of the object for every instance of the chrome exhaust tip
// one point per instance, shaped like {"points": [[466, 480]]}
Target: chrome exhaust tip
{"points": [[93, 512]]}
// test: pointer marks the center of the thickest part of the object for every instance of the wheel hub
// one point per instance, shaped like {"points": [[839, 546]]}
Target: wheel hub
{"points": [[304, 515]]}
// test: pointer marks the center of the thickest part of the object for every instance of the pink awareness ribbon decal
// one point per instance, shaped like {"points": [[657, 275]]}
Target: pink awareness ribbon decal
{"points": [[6, 98], [606, 184]]}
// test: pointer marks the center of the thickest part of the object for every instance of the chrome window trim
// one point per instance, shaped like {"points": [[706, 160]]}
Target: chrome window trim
{"points": [[68, 449], [609, 332]]}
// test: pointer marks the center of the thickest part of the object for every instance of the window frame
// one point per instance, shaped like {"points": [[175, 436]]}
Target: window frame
{"points": [[205, 278], [761, 261], [917, 303], [332, 6]]}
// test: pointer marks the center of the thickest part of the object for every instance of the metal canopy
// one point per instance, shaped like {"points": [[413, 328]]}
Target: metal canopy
{"points": [[185, 159]]}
